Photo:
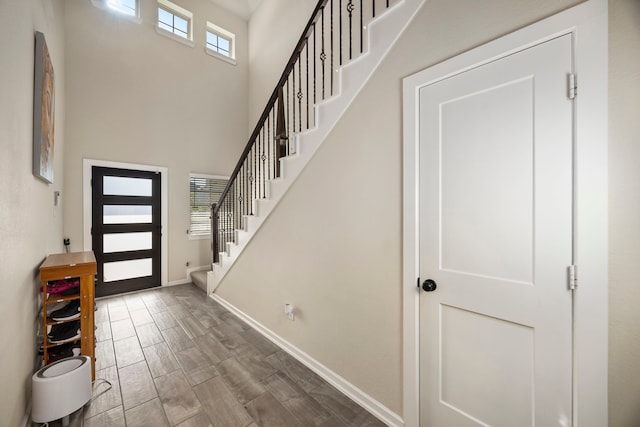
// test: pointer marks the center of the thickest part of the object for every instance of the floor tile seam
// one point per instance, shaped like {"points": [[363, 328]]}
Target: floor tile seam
{"points": [[144, 357], [157, 396], [105, 392], [302, 394], [331, 411], [228, 389], [295, 417], [119, 390], [190, 386], [285, 371]]}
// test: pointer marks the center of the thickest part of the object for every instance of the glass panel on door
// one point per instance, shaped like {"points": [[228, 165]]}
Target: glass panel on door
{"points": [[125, 186], [127, 214], [122, 270], [122, 242]]}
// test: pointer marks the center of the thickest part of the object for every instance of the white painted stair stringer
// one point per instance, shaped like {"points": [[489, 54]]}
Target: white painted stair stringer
{"points": [[381, 34]]}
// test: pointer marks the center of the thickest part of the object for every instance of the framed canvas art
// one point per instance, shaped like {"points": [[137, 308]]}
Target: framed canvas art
{"points": [[43, 111]]}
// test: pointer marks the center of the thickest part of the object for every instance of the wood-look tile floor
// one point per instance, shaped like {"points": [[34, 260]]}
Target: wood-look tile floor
{"points": [[175, 357]]}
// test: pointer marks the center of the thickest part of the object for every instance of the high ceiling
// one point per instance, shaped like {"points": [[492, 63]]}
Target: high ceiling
{"points": [[242, 8]]}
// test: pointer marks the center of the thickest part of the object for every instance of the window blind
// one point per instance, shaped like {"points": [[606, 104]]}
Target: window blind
{"points": [[202, 193]]}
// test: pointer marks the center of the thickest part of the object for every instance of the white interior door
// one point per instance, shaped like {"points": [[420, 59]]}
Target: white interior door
{"points": [[495, 234]]}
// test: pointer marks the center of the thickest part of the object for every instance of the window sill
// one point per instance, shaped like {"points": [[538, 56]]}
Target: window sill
{"points": [[175, 37], [198, 236], [219, 56]]}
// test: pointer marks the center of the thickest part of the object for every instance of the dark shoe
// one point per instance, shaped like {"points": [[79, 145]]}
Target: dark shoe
{"points": [[64, 350], [64, 332], [68, 312]]}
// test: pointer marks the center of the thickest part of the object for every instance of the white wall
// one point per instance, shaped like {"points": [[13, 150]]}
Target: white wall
{"points": [[136, 96], [274, 30], [624, 213], [333, 245], [30, 225]]}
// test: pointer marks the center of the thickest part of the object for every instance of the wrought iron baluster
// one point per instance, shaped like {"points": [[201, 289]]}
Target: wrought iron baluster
{"points": [[259, 167], [227, 225], [268, 156], [263, 160], [307, 80], [274, 157], [294, 95], [254, 189], [350, 10], [241, 191], [247, 194], [234, 202], [261, 187], [340, 29], [331, 49], [323, 55], [287, 104], [314, 64], [246, 198], [300, 94], [361, 28], [373, 8]]}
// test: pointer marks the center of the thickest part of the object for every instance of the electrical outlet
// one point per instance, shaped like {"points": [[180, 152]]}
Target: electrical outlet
{"points": [[289, 310]]}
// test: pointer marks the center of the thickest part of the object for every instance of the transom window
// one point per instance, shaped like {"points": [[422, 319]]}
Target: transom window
{"points": [[126, 7], [174, 19], [220, 41]]}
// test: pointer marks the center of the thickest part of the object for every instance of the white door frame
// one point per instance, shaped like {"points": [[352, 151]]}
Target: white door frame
{"points": [[587, 23], [87, 164]]}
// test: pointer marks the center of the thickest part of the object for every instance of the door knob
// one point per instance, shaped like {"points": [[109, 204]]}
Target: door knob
{"points": [[429, 285]]}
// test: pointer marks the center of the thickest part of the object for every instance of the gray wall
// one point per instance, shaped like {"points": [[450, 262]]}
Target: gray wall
{"points": [[333, 245], [30, 224], [274, 30], [624, 213]]}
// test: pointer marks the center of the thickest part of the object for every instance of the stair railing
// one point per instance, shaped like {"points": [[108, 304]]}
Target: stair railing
{"points": [[333, 36]]}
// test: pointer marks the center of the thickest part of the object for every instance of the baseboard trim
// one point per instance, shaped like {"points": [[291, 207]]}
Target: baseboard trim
{"points": [[26, 421], [376, 408], [178, 282]]}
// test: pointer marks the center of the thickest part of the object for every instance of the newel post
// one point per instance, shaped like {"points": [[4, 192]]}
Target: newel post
{"points": [[215, 253]]}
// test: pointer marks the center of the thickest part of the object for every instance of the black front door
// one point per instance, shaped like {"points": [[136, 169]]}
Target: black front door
{"points": [[126, 229]]}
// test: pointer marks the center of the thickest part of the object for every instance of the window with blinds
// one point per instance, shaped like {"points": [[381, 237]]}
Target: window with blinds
{"points": [[203, 191]]}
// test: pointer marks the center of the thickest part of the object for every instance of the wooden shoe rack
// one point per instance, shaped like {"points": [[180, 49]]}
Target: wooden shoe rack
{"points": [[75, 265]]}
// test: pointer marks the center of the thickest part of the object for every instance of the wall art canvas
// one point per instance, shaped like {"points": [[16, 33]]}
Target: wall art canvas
{"points": [[43, 111]]}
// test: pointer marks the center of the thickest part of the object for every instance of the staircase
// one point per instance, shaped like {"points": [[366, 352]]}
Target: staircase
{"points": [[339, 50]]}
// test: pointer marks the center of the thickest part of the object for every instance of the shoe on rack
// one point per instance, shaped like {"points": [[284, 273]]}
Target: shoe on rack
{"points": [[64, 332], [64, 350], [68, 312], [63, 286]]}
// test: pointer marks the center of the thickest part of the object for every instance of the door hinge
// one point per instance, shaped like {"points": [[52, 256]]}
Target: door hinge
{"points": [[418, 283], [573, 278], [573, 86]]}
